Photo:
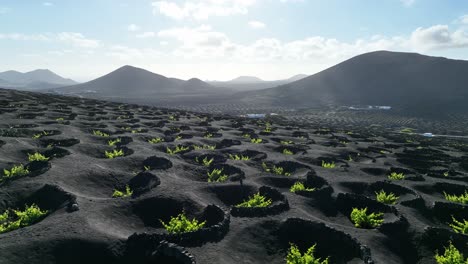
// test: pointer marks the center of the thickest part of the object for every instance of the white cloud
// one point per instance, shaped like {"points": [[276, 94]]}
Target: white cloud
{"points": [[464, 19], [147, 34], [126, 53], [77, 40], [256, 24], [201, 9], [133, 28], [438, 37], [25, 37], [47, 4], [291, 1], [408, 2]]}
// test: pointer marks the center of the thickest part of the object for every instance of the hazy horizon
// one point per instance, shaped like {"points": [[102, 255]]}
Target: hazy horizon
{"points": [[222, 39]]}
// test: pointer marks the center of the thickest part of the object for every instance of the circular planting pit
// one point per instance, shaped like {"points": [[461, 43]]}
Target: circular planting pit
{"points": [[142, 182], [59, 142], [48, 197], [300, 134], [123, 141], [293, 149], [37, 168], [279, 204], [337, 245], [320, 185], [375, 171], [436, 240], [252, 154], [226, 143], [99, 152], [197, 158], [157, 163], [290, 168], [393, 221], [55, 153], [406, 196], [156, 209]]}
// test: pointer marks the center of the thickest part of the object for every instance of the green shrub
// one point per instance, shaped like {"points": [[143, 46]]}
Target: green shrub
{"points": [[156, 140], [459, 227], [208, 135], [287, 152], [206, 162], [39, 135], [207, 147], [14, 219], [361, 219], [328, 165], [216, 175], [176, 150], [275, 169], [128, 192], [37, 157], [407, 130], [15, 171], [286, 142], [257, 200], [386, 198], [295, 257], [299, 186], [451, 256], [463, 198], [396, 176], [113, 142], [100, 133], [181, 224], [238, 157], [256, 140], [114, 153]]}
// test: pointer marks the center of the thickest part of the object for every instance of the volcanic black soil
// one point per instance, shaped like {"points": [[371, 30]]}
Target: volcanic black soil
{"points": [[85, 224]]}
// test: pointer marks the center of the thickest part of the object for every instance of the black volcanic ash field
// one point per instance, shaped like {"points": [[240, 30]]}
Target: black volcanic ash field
{"points": [[84, 224]]}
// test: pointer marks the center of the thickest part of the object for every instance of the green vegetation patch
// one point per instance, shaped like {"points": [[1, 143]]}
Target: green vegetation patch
{"points": [[299, 186], [362, 219], [37, 157], [451, 256], [257, 200], [462, 198], [460, 227], [386, 198], [15, 171], [14, 219], [114, 153], [128, 192], [181, 224], [296, 257]]}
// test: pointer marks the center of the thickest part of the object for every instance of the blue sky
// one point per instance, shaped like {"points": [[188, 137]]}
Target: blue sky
{"points": [[222, 39]]}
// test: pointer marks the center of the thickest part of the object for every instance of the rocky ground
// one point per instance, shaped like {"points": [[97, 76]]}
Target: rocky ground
{"points": [[84, 223]]}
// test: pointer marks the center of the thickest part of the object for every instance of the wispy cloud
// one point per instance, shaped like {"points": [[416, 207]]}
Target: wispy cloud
{"points": [[133, 27], [47, 4], [256, 24], [78, 40], [202, 9], [147, 34]]}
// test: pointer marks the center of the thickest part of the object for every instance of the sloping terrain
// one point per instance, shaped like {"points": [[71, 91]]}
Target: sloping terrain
{"points": [[408, 81], [166, 158], [246, 83], [33, 80], [130, 82]]}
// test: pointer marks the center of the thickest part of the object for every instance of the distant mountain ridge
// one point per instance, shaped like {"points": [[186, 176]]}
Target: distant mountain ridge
{"points": [[33, 80], [243, 83], [402, 80], [129, 81]]}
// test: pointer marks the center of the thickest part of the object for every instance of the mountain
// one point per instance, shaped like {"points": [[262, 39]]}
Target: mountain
{"points": [[246, 79], [243, 83], [297, 77], [132, 82], [33, 80], [402, 80]]}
